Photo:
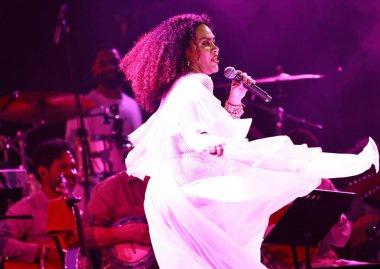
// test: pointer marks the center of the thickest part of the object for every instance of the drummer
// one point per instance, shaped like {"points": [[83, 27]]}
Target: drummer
{"points": [[116, 116]]}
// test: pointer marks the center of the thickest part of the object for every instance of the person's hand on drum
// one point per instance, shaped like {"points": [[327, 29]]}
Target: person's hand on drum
{"points": [[137, 233]]}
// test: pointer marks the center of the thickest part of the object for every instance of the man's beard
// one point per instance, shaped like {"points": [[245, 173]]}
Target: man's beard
{"points": [[110, 81]]}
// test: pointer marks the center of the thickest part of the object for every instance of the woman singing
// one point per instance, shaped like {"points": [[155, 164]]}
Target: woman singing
{"points": [[211, 191]]}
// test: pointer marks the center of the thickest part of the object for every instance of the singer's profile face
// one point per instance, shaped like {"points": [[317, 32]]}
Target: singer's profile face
{"points": [[202, 52]]}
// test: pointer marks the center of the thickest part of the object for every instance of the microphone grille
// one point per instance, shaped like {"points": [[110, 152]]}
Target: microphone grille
{"points": [[230, 72]]}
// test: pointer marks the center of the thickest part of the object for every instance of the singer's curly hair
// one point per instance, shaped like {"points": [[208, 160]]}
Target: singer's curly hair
{"points": [[159, 58]]}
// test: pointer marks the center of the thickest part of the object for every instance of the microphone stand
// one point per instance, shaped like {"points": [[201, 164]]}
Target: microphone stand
{"points": [[81, 132], [61, 24]]}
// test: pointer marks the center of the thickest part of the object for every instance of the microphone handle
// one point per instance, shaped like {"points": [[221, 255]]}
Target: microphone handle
{"points": [[254, 89]]}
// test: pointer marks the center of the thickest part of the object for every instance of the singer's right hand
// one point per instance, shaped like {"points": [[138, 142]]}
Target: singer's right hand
{"points": [[238, 91]]}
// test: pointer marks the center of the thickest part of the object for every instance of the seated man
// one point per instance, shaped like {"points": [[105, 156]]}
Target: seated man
{"points": [[115, 217], [27, 240]]}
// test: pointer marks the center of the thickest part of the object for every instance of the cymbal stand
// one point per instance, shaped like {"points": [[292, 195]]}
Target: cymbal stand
{"points": [[21, 138], [3, 140], [14, 95], [281, 115], [279, 112], [5, 149]]}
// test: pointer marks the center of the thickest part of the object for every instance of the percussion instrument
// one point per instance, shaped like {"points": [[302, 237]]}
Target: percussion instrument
{"points": [[50, 107], [107, 155], [281, 77], [128, 255], [107, 144]]}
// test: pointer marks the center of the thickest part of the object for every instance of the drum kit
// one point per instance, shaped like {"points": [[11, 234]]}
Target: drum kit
{"points": [[43, 108], [36, 109]]}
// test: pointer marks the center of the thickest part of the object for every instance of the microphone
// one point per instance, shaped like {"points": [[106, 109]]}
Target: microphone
{"points": [[61, 24], [231, 73]]}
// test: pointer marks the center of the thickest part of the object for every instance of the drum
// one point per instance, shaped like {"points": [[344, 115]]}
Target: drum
{"points": [[107, 155], [121, 256], [129, 255]]}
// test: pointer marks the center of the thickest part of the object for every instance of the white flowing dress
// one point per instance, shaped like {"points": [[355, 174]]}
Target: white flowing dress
{"points": [[206, 211]]}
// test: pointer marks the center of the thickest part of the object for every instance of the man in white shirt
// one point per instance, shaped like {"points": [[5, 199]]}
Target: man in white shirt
{"points": [[115, 116]]}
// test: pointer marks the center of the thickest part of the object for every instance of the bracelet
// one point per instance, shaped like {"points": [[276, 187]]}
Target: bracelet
{"points": [[235, 110]]}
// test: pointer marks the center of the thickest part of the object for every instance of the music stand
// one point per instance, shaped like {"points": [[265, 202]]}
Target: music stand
{"points": [[308, 220]]}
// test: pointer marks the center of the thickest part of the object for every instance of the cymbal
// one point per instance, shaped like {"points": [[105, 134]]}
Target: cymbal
{"points": [[282, 77], [50, 107], [287, 77]]}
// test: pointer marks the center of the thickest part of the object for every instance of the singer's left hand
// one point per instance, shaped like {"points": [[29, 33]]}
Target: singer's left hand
{"points": [[238, 91], [216, 150]]}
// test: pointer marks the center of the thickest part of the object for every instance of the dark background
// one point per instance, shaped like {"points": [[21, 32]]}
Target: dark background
{"points": [[340, 39]]}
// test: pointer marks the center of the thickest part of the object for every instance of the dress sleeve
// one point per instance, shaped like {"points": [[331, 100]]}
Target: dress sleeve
{"points": [[195, 113], [190, 112]]}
